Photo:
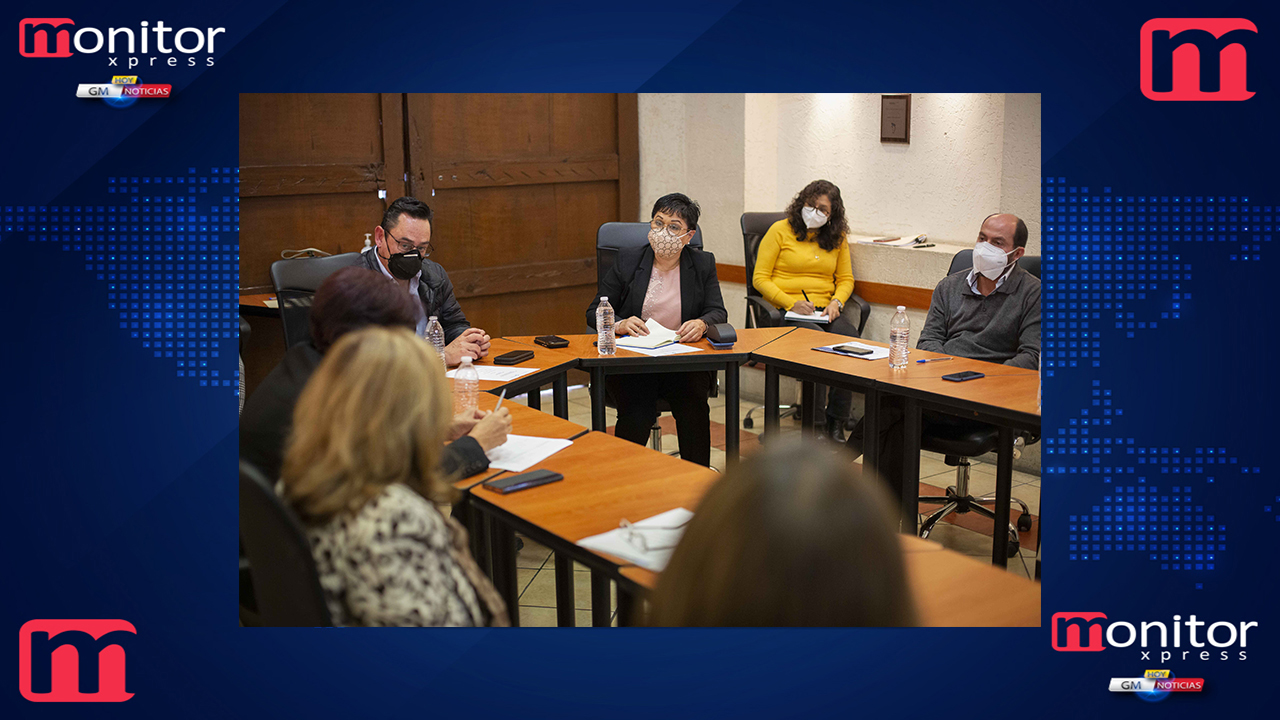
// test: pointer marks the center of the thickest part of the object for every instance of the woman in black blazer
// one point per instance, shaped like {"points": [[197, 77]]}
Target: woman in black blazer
{"points": [[643, 284]]}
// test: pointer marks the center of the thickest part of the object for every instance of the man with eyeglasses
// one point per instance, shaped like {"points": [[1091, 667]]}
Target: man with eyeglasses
{"points": [[401, 251]]}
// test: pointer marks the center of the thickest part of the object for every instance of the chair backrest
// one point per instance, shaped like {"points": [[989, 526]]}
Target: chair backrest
{"points": [[754, 226], [295, 283], [963, 260], [285, 582], [615, 236]]}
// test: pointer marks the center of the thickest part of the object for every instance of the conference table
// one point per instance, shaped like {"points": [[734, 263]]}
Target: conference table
{"points": [[949, 589], [552, 366], [1006, 397], [708, 358]]}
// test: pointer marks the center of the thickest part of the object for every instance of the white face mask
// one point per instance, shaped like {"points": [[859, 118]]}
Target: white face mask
{"points": [[989, 260], [665, 243], [813, 217]]}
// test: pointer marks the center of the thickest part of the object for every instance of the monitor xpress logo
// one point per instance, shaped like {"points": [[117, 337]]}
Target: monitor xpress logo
{"points": [[125, 47], [1084, 632], [1196, 59], [74, 660]]}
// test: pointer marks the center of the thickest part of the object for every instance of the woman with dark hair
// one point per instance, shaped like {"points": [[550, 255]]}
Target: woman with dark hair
{"points": [[788, 539], [676, 285], [803, 266]]}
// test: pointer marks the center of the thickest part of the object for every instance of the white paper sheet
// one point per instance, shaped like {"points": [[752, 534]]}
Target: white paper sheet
{"points": [[877, 352], [672, 349], [498, 373], [815, 317], [663, 533], [521, 452], [658, 336]]}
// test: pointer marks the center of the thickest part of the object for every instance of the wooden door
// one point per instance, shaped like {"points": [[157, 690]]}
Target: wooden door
{"points": [[519, 184]]}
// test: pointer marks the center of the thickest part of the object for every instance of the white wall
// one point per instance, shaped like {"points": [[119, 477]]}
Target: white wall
{"points": [[970, 155]]}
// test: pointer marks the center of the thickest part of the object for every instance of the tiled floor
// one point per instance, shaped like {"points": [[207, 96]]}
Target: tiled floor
{"points": [[537, 566]]}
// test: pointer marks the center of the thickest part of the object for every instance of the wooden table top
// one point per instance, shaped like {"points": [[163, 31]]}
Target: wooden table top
{"points": [[950, 589], [543, 359], [524, 421], [606, 479], [1005, 386], [749, 339]]}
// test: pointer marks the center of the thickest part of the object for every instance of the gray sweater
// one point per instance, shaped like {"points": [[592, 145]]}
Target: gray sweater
{"points": [[1003, 327]]}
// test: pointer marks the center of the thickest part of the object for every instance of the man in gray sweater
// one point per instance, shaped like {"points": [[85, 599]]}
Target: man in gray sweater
{"points": [[991, 313]]}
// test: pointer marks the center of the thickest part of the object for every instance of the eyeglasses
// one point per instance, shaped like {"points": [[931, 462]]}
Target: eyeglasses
{"points": [[678, 229], [425, 250], [634, 535]]}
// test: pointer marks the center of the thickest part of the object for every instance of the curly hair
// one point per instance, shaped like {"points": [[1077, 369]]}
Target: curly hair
{"points": [[829, 236]]}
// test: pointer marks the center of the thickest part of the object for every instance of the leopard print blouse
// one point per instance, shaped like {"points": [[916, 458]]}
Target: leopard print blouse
{"points": [[399, 562]]}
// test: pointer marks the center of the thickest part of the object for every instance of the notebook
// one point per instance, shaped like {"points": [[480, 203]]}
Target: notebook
{"points": [[657, 337]]}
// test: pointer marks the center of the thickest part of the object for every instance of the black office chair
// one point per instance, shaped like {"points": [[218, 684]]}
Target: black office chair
{"points": [[760, 312], [295, 284], [285, 582], [611, 238], [960, 441]]}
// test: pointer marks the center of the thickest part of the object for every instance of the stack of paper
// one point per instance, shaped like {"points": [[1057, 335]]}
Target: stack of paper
{"points": [[521, 452], [877, 353], [498, 374], [661, 533], [814, 317], [657, 337]]}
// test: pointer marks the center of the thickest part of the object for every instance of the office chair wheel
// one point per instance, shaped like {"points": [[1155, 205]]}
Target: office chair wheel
{"points": [[748, 423], [1024, 523], [1013, 549]]}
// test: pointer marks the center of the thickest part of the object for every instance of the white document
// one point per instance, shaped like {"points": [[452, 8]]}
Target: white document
{"points": [[648, 543], [877, 353], [521, 452], [672, 349], [657, 337], [272, 303], [497, 373], [815, 317]]}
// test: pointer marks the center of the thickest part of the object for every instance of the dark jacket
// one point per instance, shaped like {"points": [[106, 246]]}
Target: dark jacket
{"points": [[268, 418], [436, 293], [627, 281]]}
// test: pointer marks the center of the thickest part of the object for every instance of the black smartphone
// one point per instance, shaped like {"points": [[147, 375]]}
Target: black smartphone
{"points": [[962, 376], [853, 349], [523, 481], [551, 341], [515, 357]]}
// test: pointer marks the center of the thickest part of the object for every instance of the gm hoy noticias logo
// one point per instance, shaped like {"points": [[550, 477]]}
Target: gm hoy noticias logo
{"points": [[1179, 639], [1187, 59], [74, 660]]}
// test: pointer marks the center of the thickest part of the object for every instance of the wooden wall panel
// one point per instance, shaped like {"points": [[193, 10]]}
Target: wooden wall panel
{"points": [[310, 129], [581, 208], [487, 126], [542, 312], [584, 124], [333, 223]]}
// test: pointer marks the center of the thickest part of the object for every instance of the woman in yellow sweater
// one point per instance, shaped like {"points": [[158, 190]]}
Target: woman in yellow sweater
{"points": [[803, 266]]}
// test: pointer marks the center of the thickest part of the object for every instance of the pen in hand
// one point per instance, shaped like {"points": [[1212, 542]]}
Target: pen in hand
{"points": [[501, 397], [927, 360]]}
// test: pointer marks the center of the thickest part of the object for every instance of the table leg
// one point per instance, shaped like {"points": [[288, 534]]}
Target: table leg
{"points": [[564, 591], [909, 497], [560, 396], [503, 552], [1004, 492], [627, 604], [535, 398], [771, 381], [871, 430], [601, 604], [597, 399], [731, 429], [807, 399]]}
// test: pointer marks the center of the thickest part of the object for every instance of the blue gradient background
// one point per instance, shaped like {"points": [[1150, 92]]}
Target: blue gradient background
{"points": [[121, 475]]}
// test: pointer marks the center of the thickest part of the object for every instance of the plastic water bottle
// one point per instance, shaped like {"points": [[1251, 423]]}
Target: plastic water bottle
{"points": [[605, 340], [899, 338], [435, 336], [466, 388]]}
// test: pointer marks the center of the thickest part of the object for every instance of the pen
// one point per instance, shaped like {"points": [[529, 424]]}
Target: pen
{"points": [[806, 296], [501, 397], [934, 360]]}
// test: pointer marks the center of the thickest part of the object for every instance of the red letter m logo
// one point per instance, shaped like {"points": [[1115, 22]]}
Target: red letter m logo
{"points": [[40, 37], [1196, 58], [74, 660], [1078, 632]]}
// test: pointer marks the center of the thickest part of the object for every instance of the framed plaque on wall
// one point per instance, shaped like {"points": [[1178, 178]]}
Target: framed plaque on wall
{"points": [[895, 118]]}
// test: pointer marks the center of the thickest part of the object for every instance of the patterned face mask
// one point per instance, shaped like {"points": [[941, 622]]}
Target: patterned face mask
{"points": [[665, 243]]}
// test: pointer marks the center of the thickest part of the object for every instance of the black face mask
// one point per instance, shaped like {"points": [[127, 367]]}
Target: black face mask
{"points": [[405, 265]]}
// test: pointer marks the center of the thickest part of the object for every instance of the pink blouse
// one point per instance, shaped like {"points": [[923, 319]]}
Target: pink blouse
{"points": [[662, 299]]}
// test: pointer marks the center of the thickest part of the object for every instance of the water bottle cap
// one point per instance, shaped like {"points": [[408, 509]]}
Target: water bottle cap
{"points": [[604, 298], [466, 359], [433, 317], [902, 308]]}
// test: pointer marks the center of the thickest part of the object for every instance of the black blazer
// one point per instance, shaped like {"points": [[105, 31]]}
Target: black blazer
{"points": [[627, 281], [436, 292]]}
